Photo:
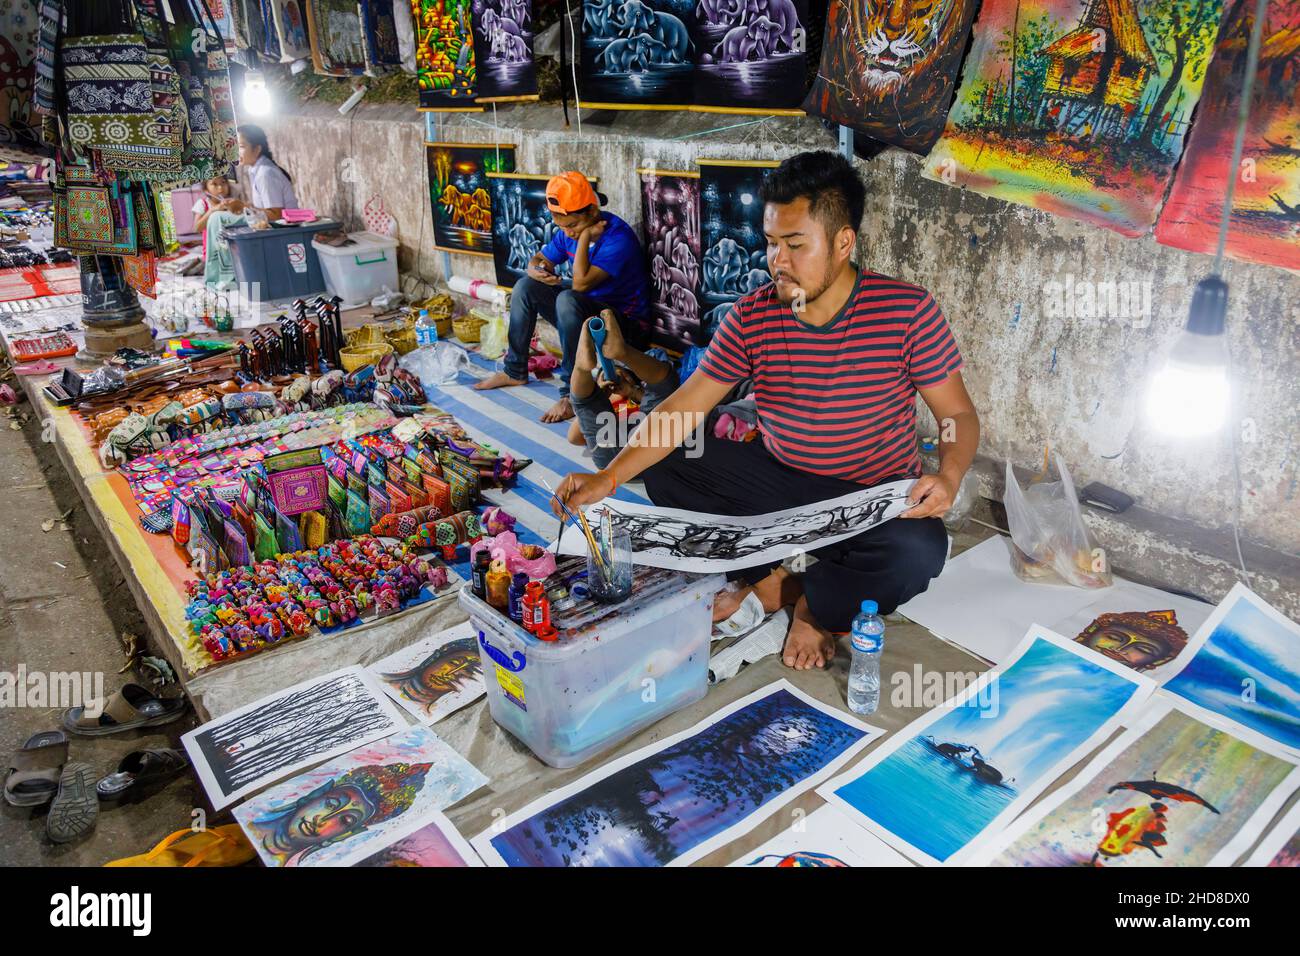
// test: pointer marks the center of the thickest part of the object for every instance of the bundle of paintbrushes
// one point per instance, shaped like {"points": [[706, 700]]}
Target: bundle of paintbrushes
{"points": [[601, 555]]}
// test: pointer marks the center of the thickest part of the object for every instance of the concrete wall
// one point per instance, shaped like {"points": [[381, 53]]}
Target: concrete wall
{"points": [[997, 269]]}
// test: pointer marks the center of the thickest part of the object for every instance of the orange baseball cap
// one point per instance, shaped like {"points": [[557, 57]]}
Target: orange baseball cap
{"points": [[570, 192]]}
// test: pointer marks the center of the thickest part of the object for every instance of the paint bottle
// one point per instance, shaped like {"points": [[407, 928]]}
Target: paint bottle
{"points": [[526, 612], [538, 605], [548, 633], [497, 581], [515, 607], [478, 576]]}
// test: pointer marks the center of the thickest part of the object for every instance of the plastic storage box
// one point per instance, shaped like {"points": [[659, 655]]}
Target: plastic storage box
{"points": [[282, 260], [357, 273], [614, 670]]}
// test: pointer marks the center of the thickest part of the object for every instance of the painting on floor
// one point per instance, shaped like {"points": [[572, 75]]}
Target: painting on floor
{"points": [[888, 68], [503, 50], [346, 809], [444, 54], [1282, 845], [521, 224], [1078, 107], [674, 801], [670, 216], [458, 193], [1265, 222], [824, 838], [435, 676], [1244, 663], [435, 843], [269, 739], [955, 775], [1169, 791], [734, 261]]}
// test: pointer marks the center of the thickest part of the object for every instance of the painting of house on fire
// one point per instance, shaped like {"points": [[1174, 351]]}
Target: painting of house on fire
{"points": [[1079, 107]]}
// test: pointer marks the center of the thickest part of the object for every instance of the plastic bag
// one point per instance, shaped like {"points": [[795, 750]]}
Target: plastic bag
{"points": [[537, 563], [494, 336], [1050, 544]]}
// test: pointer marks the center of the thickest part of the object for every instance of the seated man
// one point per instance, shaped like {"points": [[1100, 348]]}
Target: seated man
{"points": [[642, 378], [608, 274], [837, 356]]}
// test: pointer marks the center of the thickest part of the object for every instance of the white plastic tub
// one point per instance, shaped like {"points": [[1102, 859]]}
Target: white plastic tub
{"points": [[615, 669], [358, 272]]}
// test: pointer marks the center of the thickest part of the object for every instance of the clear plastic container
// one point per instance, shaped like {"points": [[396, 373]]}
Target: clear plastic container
{"points": [[614, 670], [359, 272]]}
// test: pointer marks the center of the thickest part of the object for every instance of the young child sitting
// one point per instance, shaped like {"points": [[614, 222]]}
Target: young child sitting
{"points": [[642, 378], [217, 196]]}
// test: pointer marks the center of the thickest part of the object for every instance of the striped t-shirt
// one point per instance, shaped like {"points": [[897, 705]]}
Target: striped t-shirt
{"points": [[839, 400]]}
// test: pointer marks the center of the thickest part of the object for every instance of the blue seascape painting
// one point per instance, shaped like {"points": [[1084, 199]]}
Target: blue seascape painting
{"points": [[946, 784], [653, 811], [1249, 670]]}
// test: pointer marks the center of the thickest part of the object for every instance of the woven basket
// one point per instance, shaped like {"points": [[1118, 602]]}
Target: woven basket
{"points": [[467, 328], [359, 356], [402, 338], [365, 335]]}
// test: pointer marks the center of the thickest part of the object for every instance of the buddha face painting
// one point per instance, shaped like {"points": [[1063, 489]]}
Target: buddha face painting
{"points": [[1141, 640], [338, 809], [446, 669]]}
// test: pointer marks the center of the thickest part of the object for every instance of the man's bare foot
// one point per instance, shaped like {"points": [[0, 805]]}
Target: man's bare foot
{"points": [[777, 590], [499, 380], [561, 411], [808, 644]]}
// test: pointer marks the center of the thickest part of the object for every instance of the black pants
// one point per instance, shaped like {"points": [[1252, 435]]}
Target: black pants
{"points": [[890, 564]]}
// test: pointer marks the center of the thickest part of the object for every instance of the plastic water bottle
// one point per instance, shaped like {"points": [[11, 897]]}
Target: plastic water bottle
{"points": [[426, 330], [868, 640]]}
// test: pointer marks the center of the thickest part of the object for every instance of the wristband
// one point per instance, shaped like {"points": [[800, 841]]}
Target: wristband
{"points": [[613, 480]]}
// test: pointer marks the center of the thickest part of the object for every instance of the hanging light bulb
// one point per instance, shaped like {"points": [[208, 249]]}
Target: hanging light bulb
{"points": [[257, 98], [1189, 395]]}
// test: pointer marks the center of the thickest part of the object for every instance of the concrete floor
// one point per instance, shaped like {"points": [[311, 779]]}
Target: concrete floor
{"points": [[63, 605]]}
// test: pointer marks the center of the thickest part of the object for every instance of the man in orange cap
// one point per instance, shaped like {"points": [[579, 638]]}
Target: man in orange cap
{"points": [[608, 274]]}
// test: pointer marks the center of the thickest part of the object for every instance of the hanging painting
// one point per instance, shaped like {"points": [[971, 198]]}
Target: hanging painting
{"points": [[503, 50], [670, 216], [458, 193], [345, 810], [334, 29], [726, 55], [271, 738], [637, 54], [444, 54], [674, 801], [962, 770], [888, 68], [379, 36], [1169, 791], [750, 54], [731, 227], [521, 224], [1265, 221], [435, 676], [1078, 107], [290, 26], [1246, 643]]}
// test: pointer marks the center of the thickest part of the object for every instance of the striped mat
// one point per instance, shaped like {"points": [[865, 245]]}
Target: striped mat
{"points": [[507, 419]]}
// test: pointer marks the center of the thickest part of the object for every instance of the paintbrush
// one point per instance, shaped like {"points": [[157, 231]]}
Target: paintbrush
{"points": [[578, 519]]}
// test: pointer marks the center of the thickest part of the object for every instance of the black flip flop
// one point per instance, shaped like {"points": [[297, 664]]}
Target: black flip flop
{"points": [[75, 809], [141, 771], [34, 769]]}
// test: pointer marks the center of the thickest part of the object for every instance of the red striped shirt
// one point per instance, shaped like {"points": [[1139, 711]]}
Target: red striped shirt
{"points": [[839, 400]]}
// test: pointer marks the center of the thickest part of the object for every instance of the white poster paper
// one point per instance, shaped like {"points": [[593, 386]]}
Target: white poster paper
{"points": [[825, 837]]}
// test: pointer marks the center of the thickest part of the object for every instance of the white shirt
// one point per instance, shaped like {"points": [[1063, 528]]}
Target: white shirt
{"points": [[270, 186]]}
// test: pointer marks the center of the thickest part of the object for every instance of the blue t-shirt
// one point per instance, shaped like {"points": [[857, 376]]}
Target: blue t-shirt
{"points": [[617, 252]]}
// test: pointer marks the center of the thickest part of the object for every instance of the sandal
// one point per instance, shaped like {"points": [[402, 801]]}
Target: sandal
{"points": [[218, 846], [141, 770], [34, 770], [75, 809], [130, 707]]}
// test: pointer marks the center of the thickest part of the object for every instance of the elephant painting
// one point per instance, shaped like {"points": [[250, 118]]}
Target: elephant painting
{"points": [[503, 48], [724, 264]]}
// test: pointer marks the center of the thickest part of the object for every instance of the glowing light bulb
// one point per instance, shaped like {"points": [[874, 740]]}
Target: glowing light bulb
{"points": [[257, 98], [1189, 396]]}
